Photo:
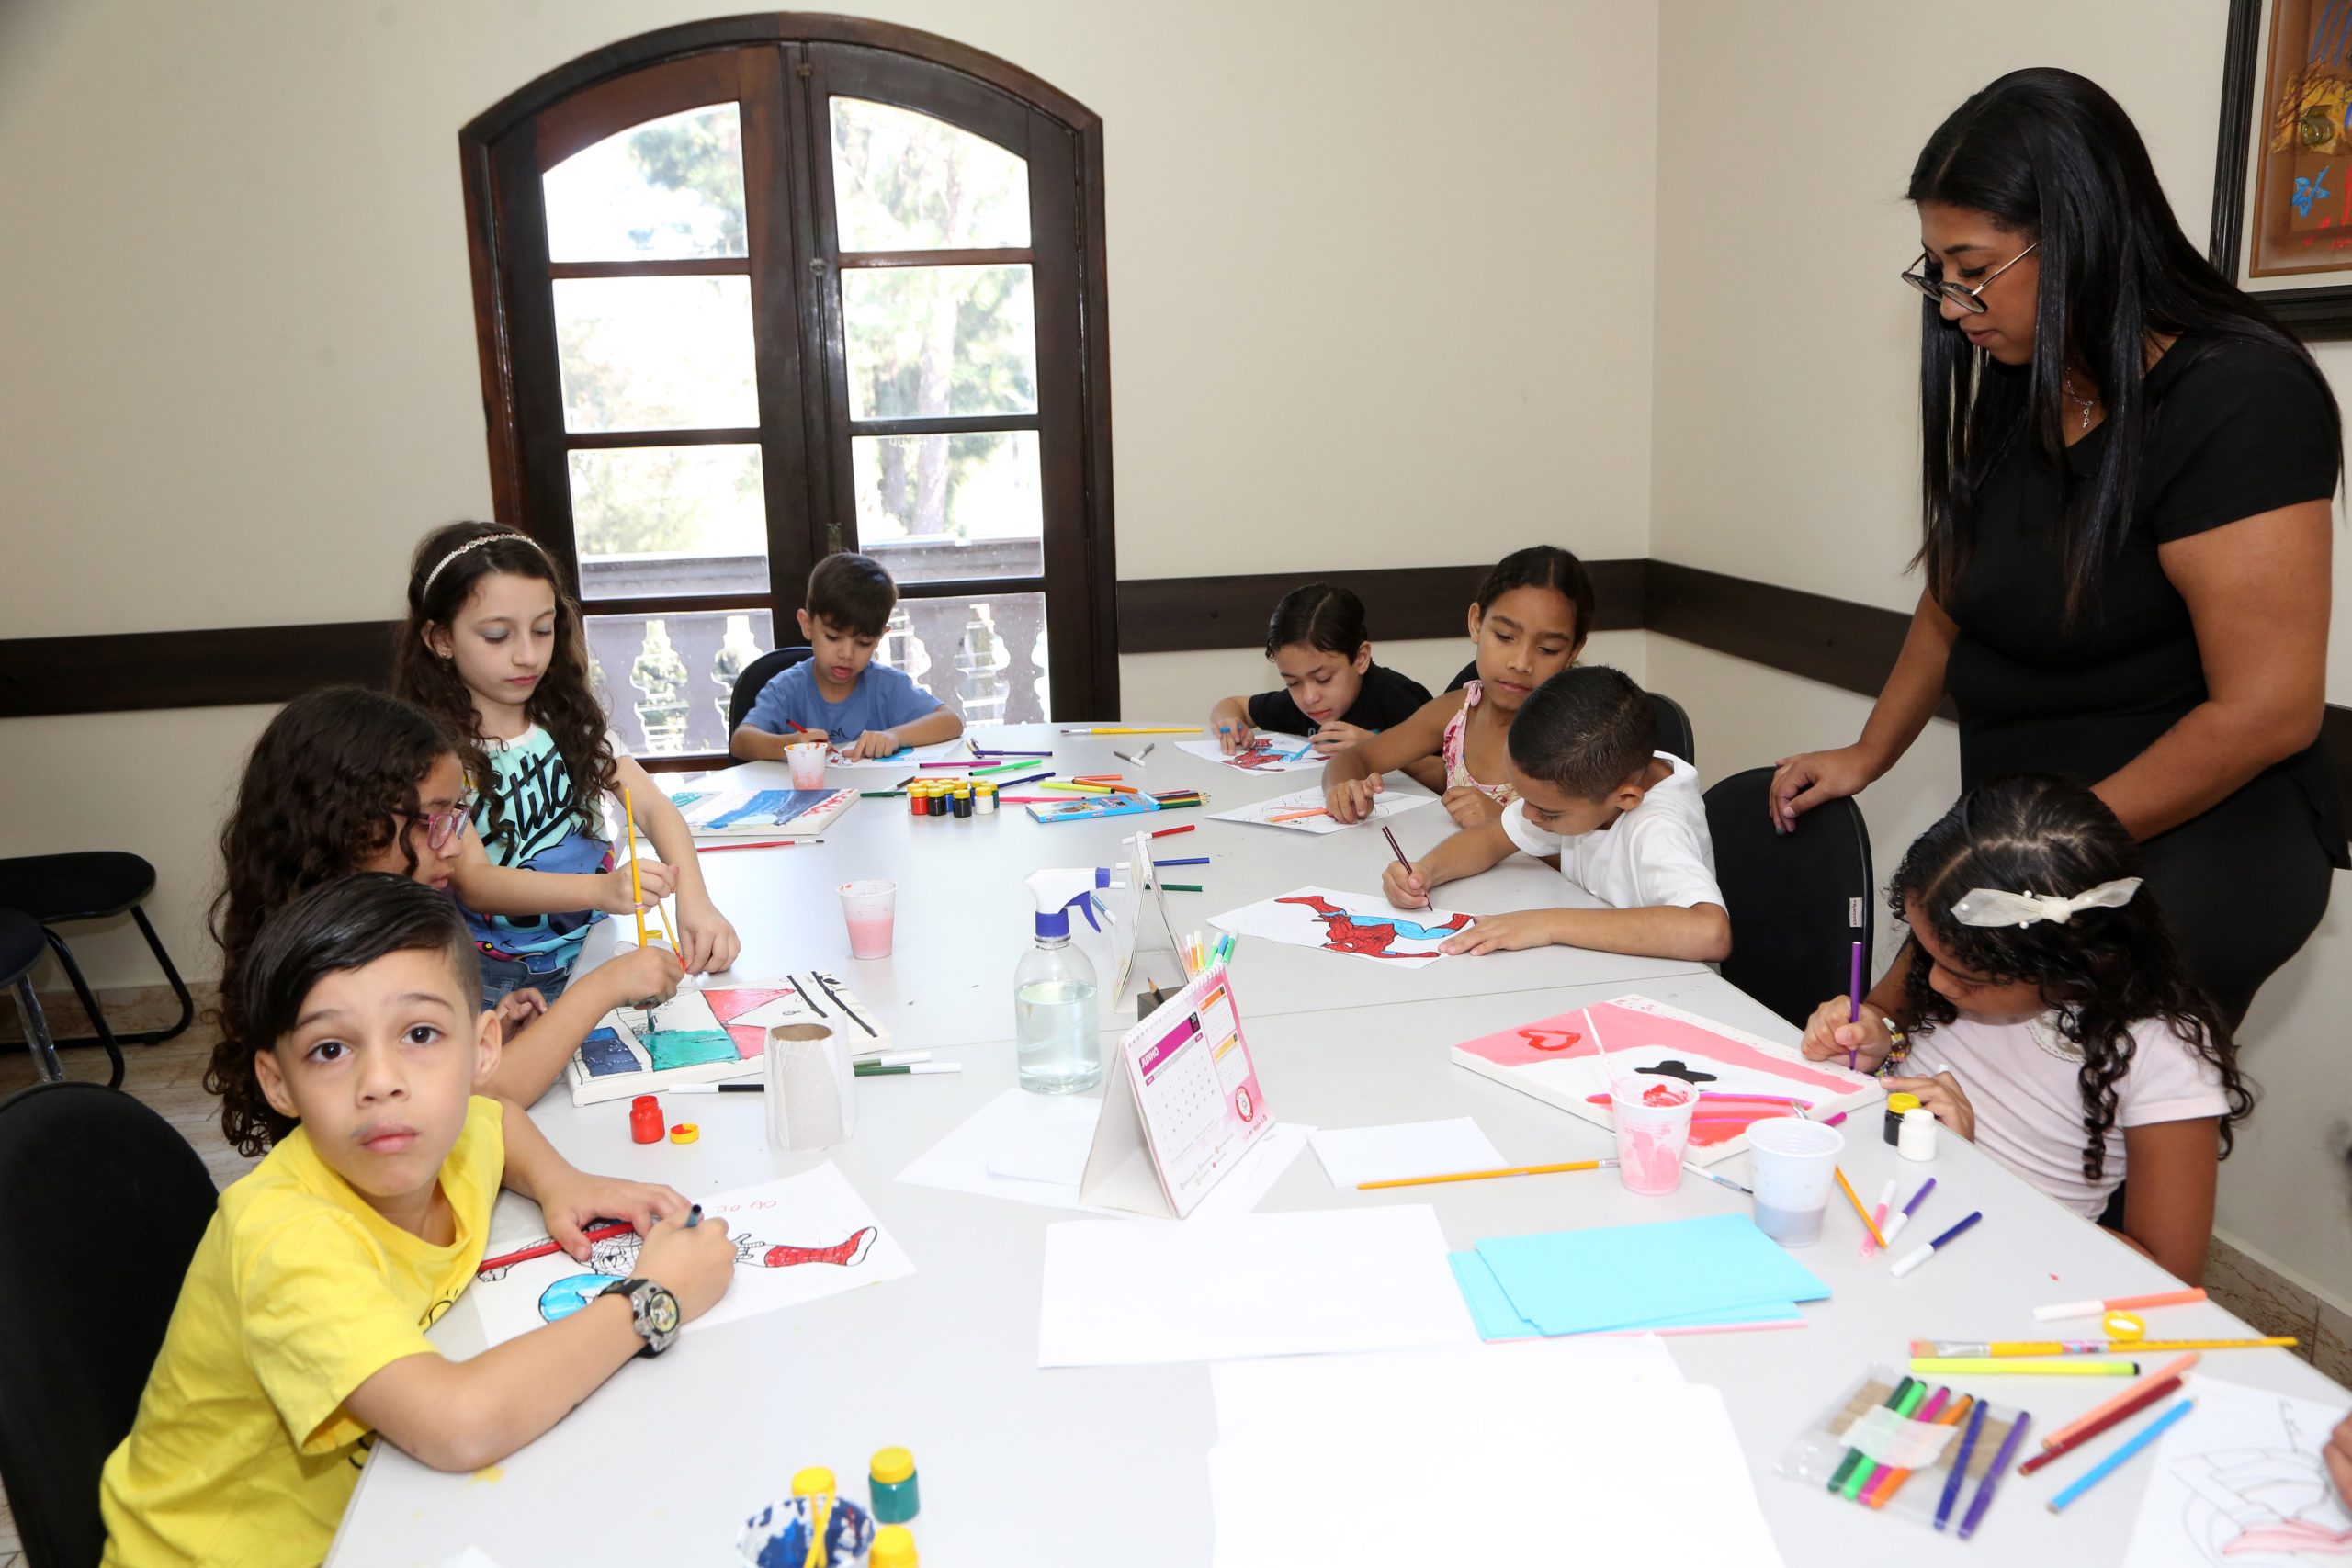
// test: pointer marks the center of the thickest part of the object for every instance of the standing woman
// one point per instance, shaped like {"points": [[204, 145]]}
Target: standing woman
{"points": [[2127, 487]]}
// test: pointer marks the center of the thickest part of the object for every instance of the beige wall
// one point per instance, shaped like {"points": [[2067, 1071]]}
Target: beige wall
{"points": [[1787, 435], [1345, 265]]}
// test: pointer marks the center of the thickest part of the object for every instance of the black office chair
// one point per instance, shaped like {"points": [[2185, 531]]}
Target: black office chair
{"points": [[106, 1206], [756, 674], [1673, 723], [1798, 901], [93, 884], [20, 949]]}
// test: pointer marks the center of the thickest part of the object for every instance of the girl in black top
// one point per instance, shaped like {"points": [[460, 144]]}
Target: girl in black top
{"points": [[2128, 483], [1332, 691]]}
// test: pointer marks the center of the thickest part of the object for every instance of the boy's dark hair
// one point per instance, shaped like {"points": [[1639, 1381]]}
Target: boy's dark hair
{"points": [[335, 927], [1320, 617], [2102, 971], [1583, 731], [1542, 566], [852, 591]]}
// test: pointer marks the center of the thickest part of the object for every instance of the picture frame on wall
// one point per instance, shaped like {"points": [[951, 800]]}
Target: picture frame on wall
{"points": [[2283, 184]]}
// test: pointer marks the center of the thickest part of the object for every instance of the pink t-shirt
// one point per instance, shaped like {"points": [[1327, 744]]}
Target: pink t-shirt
{"points": [[2021, 1079], [1455, 749]]}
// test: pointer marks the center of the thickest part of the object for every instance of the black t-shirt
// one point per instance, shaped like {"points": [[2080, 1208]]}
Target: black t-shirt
{"points": [[2236, 430], [1386, 700]]}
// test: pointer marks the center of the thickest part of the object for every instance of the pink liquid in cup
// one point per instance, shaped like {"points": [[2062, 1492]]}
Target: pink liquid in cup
{"points": [[870, 909], [1653, 1132], [806, 760]]}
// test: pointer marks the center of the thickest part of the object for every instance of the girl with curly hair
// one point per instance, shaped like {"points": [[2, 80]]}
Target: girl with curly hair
{"points": [[346, 781], [494, 648], [2065, 1037]]}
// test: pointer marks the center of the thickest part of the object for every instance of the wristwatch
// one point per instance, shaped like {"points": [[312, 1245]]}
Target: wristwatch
{"points": [[654, 1310]]}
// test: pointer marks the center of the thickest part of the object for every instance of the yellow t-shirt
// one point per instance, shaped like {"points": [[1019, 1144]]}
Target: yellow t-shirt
{"points": [[298, 1293]]}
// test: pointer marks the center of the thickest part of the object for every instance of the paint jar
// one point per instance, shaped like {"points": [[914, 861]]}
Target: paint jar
{"points": [[894, 1547], [1896, 1104], [935, 800], [983, 798], [915, 793], [893, 1486], [963, 800], [645, 1119], [1918, 1139]]}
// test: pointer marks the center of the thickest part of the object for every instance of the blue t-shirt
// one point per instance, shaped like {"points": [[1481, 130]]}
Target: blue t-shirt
{"points": [[539, 828], [883, 698]]}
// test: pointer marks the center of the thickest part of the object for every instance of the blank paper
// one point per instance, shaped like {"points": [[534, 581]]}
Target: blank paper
{"points": [[1355, 1154]]}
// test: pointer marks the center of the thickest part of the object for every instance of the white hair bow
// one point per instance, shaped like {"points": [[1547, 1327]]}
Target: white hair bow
{"points": [[1990, 907]]}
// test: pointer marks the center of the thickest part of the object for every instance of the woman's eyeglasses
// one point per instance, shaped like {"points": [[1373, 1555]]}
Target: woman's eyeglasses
{"points": [[1936, 288], [442, 827]]}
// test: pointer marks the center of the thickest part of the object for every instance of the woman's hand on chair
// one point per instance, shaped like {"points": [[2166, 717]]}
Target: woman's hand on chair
{"points": [[1816, 778]]}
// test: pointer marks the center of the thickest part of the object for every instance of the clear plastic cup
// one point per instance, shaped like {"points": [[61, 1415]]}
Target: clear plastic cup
{"points": [[807, 759], [1796, 1162], [1653, 1130], [870, 907]]}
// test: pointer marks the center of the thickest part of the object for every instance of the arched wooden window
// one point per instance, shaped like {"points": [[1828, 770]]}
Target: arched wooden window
{"points": [[753, 291]]}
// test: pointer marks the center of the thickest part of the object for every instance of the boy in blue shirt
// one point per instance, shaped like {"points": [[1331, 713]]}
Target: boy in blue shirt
{"points": [[839, 694]]}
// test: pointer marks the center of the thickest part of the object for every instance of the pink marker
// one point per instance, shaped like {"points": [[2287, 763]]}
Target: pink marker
{"points": [[1878, 1216]]}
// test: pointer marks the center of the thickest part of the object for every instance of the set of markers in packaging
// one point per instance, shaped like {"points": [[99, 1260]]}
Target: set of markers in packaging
{"points": [[1912, 1446]]}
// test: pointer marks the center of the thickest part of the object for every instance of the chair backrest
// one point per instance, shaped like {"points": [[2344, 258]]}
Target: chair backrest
{"points": [[1798, 901], [758, 673], [1673, 723], [106, 1204]]}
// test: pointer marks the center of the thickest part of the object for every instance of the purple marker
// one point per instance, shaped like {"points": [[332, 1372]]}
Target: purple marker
{"points": [[1984, 1487], [1913, 1259], [1854, 999], [1894, 1227]]}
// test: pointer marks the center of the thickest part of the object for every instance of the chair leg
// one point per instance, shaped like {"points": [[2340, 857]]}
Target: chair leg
{"points": [[104, 1036], [172, 974], [37, 1038]]}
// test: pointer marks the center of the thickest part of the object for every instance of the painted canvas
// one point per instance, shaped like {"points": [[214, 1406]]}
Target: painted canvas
{"points": [[1568, 1059], [710, 1034], [798, 1239], [1363, 924], [787, 812], [2241, 1482], [1263, 812]]}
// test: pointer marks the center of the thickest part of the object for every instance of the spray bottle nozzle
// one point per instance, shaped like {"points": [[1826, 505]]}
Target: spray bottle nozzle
{"points": [[1054, 893]]}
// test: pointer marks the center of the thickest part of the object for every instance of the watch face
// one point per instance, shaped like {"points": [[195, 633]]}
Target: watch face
{"points": [[662, 1312]]}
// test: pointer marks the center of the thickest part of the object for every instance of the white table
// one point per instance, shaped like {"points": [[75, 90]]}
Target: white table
{"points": [[663, 1463]]}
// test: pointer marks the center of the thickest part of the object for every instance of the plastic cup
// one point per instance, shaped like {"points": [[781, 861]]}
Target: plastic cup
{"points": [[1796, 1162], [870, 907], [1653, 1130], [808, 761]]}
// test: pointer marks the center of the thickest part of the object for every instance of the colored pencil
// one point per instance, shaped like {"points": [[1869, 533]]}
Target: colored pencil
{"points": [[904, 1069], [1294, 816], [1000, 751], [1074, 787], [1398, 849], [881, 795], [2122, 1456], [1483, 1175], [1960, 1466], [1992, 1476], [1868, 1468], [2124, 1411], [1003, 784], [1878, 1495], [2007, 1348], [1188, 859], [550, 1246], [1132, 729], [1912, 1260], [1993, 1366], [1854, 999], [2121, 1303], [1185, 828], [764, 844], [1856, 1201], [2169, 1369], [1031, 800], [1178, 887], [1853, 1458], [949, 765]]}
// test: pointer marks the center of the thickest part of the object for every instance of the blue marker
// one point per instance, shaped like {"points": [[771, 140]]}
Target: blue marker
{"points": [[1960, 1466], [2114, 1461], [693, 1216]]}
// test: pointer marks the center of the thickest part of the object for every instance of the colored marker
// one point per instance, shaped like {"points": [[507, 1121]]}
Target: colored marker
{"points": [[1185, 828], [870, 795], [2121, 1303], [1177, 887], [1857, 1203], [768, 843], [1895, 1227], [693, 1216], [2124, 1411], [550, 1248], [1995, 1366], [1879, 1493], [1014, 783], [1853, 1458], [1878, 1215], [2122, 1456], [1132, 730], [877, 1070], [1960, 1466], [1864, 1471], [1913, 1259], [1188, 860], [1854, 1000], [2082, 1423], [2089, 1347], [1992, 1476]]}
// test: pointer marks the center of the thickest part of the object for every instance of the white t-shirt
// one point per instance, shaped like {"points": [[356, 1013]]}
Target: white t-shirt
{"points": [[2023, 1080], [1657, 853]]}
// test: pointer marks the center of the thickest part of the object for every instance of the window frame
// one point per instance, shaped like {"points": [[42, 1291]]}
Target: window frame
{"points": [[780, 69]]}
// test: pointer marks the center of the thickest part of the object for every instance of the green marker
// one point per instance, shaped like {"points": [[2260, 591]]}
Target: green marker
{"points": [[1179, 887], [881, 793]]}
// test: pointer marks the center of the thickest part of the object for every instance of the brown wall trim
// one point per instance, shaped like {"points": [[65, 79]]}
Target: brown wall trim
{"points": [[1835, 641], [139, 671]]}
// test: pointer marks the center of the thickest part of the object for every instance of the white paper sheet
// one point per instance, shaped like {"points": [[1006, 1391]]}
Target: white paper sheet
{"points": [[796, 1240], [1265, 1399], [1288, 1284], [1616, 1482], [1271, 754], [1261, 811], [1353, 1155], [1363, 925], [2239, 1483], [1018, 1147]]}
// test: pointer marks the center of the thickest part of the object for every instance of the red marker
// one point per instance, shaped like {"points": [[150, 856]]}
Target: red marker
{"points": [[1185, 828], [550, 1246]]}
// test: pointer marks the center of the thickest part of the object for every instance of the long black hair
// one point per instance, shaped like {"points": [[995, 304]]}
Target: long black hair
{"points": [[2100, 972], [2050, 155], [1318, 616], [1542, 566]]}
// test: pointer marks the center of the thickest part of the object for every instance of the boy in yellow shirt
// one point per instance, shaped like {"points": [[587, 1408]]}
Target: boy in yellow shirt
{"points": [[299, 1337]]}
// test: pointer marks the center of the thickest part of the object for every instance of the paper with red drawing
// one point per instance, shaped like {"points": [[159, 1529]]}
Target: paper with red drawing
{"points": [[1568, 1059]]}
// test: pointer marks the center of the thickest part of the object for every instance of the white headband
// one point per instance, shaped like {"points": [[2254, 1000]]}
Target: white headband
{"points": [[1990, 907], [469, 545]]}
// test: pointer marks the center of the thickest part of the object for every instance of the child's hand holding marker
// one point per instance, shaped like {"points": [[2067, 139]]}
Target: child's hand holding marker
{"points": [[1336, 737], [1351, 800], [1941, 1094], [619, 893], [1232, 738], [695, 1263], [1832, 1033]]}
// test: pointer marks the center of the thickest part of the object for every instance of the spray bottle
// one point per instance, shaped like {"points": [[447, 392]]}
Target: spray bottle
{"points": [[1054, 1023]]}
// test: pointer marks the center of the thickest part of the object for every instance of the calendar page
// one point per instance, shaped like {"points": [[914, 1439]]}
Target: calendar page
{"points": [[1186, 1105]]}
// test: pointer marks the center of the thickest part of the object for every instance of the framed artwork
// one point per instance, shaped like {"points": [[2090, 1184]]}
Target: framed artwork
{"points": [[2282, 186]]}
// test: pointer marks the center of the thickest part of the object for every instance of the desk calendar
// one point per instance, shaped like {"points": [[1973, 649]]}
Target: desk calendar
{"points": [[1181, 1108]]}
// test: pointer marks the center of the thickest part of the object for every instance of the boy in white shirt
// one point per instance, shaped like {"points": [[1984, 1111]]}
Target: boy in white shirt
{"points": [[1624, 822]]}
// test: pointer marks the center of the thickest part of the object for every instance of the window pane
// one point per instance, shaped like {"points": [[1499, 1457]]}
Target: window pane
{"points": [[903, 181], [938, 508], [670, 520], [656, 352], [927, 341], [670, 188], [983, 657], [665, 680]]}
